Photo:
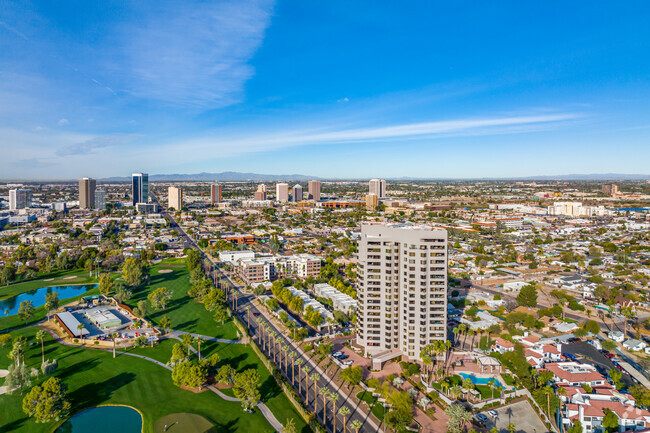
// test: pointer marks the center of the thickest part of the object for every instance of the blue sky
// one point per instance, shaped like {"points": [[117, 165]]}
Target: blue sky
{"points": [[325, 88]]}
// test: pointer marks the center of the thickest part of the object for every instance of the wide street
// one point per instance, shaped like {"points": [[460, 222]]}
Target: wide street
{"points": [[244, 305]]}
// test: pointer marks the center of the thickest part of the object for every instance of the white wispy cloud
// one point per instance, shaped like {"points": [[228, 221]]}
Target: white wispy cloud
{"points": [[235, 145], [191, 54]]}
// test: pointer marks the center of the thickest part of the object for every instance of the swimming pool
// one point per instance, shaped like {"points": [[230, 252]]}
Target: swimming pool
{"points": [[480, 380]]}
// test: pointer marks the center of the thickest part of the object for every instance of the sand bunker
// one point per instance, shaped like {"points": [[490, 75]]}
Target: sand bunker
{"points": [[165, 271], [48, 279], [71, 277]]}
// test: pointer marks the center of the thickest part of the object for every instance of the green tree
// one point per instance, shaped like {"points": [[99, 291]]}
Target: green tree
{"points": [[458, 416], [123, 294], [610, 421], [133, 272], [528, 295], [188, 374], [289, 426], [47, 402], [165, 323], [225, 374], [51, 302], [616, 376], [26, 310], [352, 375], [106, 283], [576, 427], [160, 297], [246, 388], [40, 336]]}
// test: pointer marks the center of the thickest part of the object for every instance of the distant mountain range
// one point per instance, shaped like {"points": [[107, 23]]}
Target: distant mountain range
{"points": [[225, 176], [242, 177]]}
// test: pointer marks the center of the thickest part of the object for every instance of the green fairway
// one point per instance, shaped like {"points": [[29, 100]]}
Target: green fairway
{"points": [[185, 313], [95, 378], [183, 422]]}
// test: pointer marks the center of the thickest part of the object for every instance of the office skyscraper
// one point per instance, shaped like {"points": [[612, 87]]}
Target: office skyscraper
{"points": [[215, 193], [402, 277], [100, 199], [314, 190], [87, 193], [281, 192], [20, 198], [372, 201], [140, 188], [175, 198], [260, 194], [378, 187], [297, 193]]}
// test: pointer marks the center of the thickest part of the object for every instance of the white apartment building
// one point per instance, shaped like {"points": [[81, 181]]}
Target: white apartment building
{"points": [[402, 279], [340, 301], [175, 198], [20, 198], [281, 192], [300, 265], [233, 257], [377, 187], [575, 209]]}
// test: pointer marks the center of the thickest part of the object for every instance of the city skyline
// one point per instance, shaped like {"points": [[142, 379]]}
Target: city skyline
{"points": [[425, 91]]}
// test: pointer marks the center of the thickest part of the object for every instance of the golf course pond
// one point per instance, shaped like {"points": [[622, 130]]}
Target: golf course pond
{"points": [[105, 419], [9, 306]]}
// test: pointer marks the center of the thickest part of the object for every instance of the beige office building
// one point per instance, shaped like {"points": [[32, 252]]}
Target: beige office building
{"points": [[313, 188], [175, 198], [372, 201], [215, 193], [281, 192], [297, 193], [402, 278], [87, 188]]}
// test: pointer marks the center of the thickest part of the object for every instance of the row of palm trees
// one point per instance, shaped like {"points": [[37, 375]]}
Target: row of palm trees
{"points": [[282, 353]]}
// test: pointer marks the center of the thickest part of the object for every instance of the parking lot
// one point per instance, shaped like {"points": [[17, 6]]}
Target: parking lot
{"points": [[521, 414], [588, 354]]}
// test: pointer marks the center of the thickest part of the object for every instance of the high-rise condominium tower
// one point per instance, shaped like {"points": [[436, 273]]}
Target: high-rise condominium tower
{"points": [[175, 198], [402, 277], [260, 194], [314, 190], [297, 193], [20, 198], [281, 192], [215, 193], [140, 188], [87, 193], [100, 199], [378, 187]]}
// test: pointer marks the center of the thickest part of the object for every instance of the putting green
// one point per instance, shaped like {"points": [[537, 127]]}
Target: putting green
{"points": [[183, 423]]}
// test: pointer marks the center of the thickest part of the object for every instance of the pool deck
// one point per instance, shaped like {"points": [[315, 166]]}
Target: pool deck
{"points": [[496, 376]]}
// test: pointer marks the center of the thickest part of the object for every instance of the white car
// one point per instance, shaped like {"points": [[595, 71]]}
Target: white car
{"points": [[493, 413], [335, 354], [348, 362]]}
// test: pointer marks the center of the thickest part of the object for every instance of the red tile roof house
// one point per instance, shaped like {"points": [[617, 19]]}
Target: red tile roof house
{"points": [[575, 374], [591, 414], [500, 345], [540, 354]]}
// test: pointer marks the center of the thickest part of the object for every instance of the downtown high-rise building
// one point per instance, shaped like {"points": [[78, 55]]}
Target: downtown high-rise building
{"points": [[140, 188], [281, 192], [296, 195], [313, 188], [378, 187], [215, 193], [402, 288], [175, 198], [260, 194], [87, 188], [20, 198]]}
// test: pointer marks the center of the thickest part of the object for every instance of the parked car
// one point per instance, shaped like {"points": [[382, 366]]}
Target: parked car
{"points": [[337, 354], [610, 355], [480, 419], [604, 352], [617, 365], [348, 362], [343, 357], [493, 413]]}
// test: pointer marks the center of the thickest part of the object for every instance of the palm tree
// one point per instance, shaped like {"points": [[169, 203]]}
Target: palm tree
{"points": [[468, 385], [344, 412], [40, 336], [292, 356], [260, 337], [273, 335], [299, 362], [333, 397], [324, 392], [79, 328], [356, 425], [114, 336], [285, 348], [511, 428], [628, 313], [198, 340], [492, 383], [471, 333], [455, 392], [315, 377], [458, 416], [462, 328]]}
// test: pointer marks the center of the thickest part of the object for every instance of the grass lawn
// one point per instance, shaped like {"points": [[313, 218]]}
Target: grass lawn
{"points": [[376, 408], [185, 313], [509, 380], [94, 378], [58, 280]]}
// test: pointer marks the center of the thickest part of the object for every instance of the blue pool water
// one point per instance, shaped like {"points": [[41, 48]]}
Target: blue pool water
{"points": [[106, 419], [38, 297], [479, 380]]}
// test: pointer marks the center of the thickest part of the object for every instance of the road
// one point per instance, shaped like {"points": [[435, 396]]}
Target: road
{"points": [[258, 317]]}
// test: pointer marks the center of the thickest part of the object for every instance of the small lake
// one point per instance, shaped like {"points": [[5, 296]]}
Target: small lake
{"points": [[38, 297], [106, 419]]}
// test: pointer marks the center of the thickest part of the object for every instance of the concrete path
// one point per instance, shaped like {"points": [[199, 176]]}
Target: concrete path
{"points": [[178, 334]]}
